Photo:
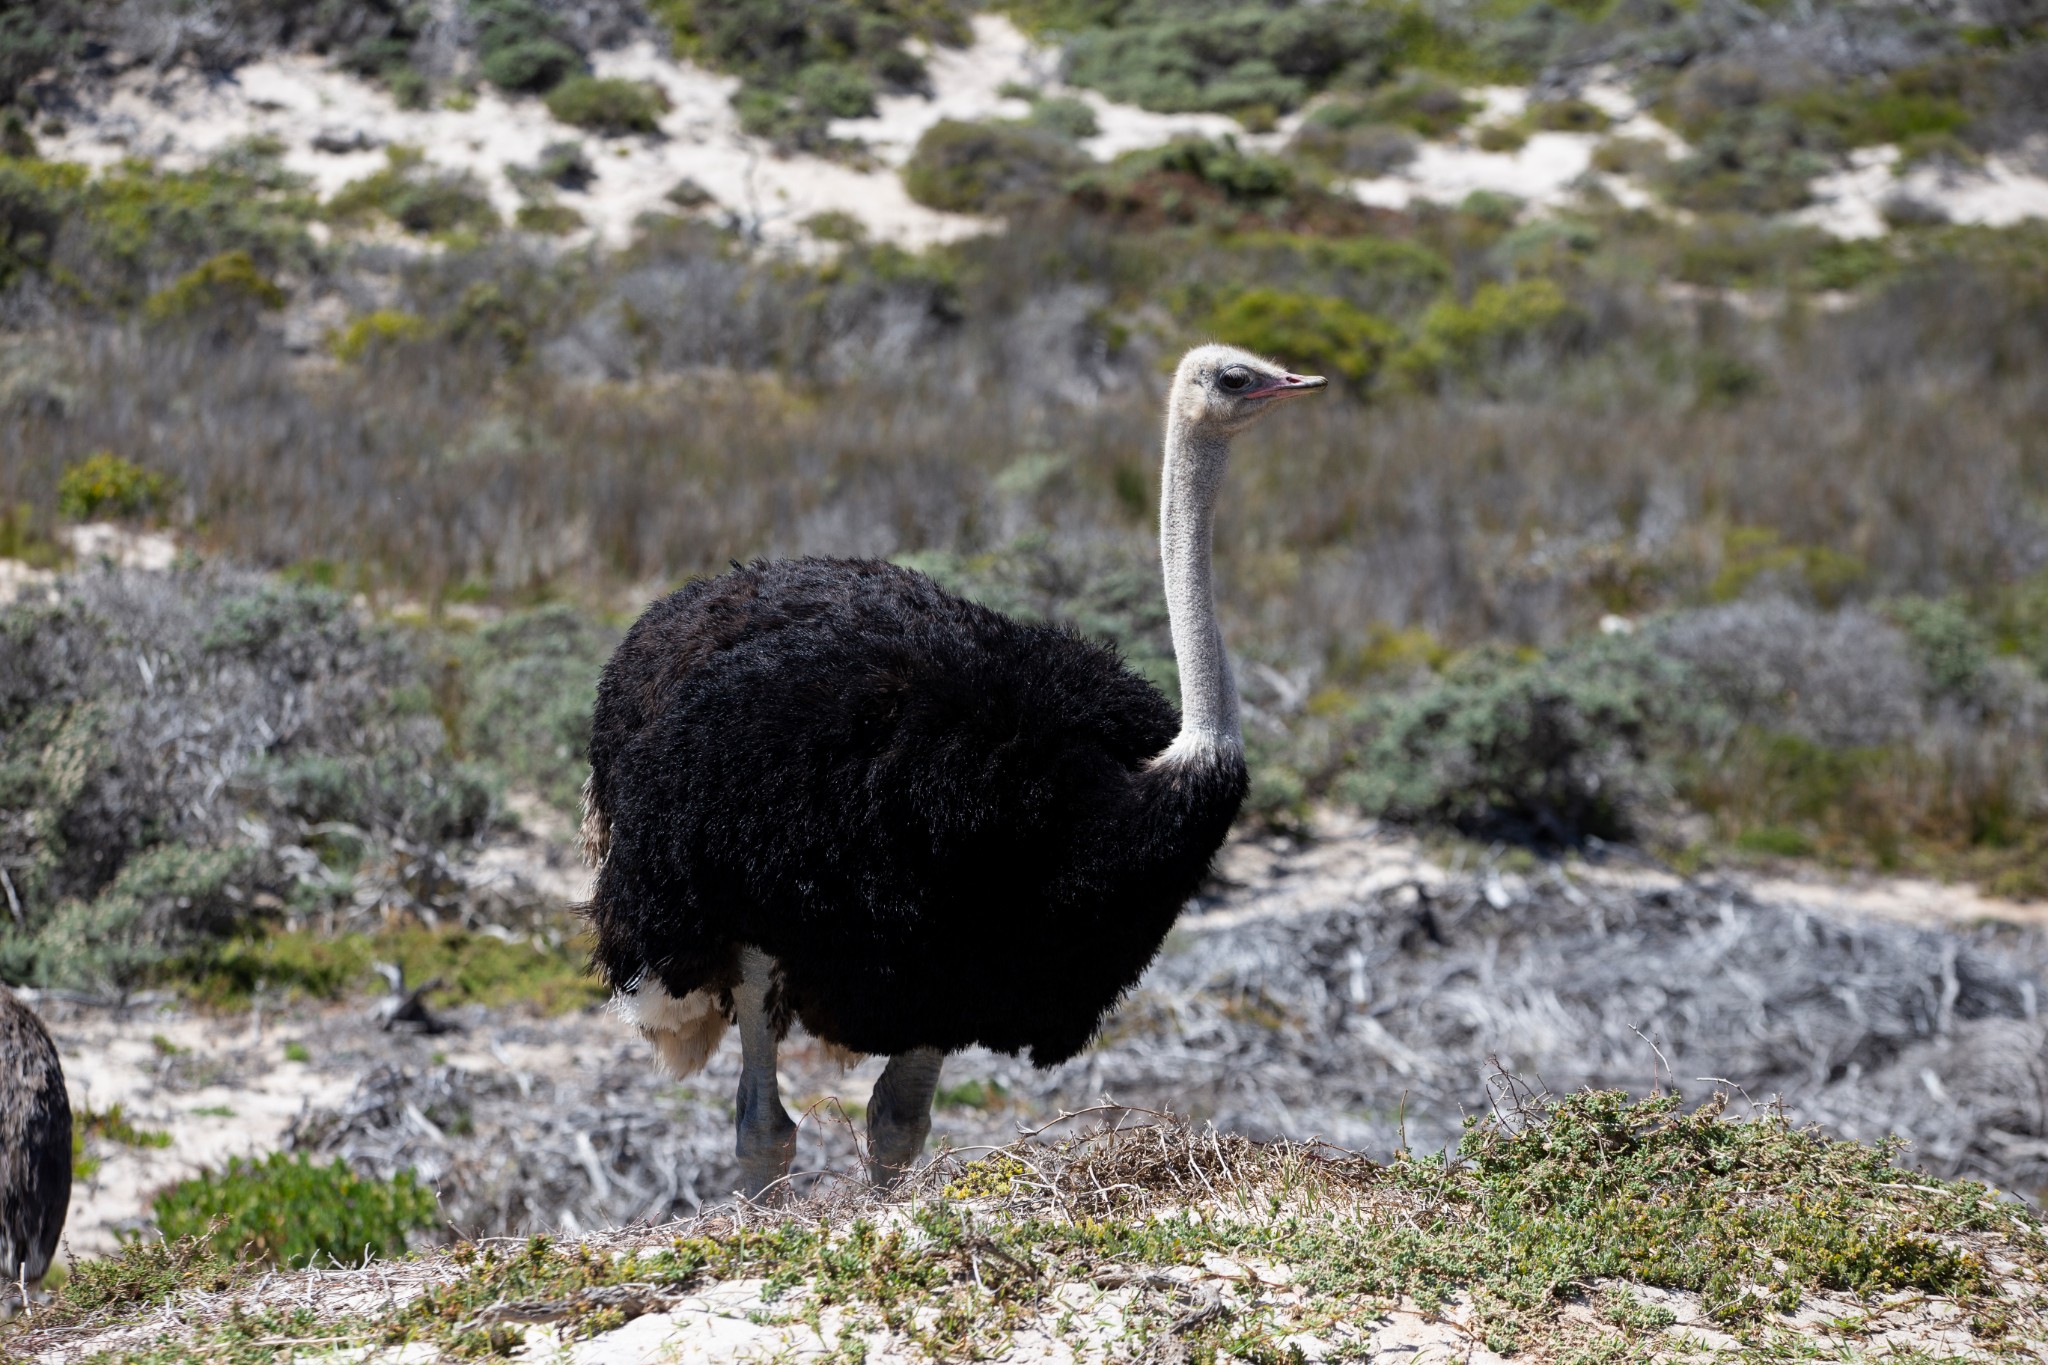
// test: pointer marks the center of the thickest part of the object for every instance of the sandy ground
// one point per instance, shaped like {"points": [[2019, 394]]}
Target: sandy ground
{"points": [[88, 543], [1851, 202]]}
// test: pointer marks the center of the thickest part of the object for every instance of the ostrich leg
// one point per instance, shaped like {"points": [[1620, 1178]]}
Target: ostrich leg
{"points": [[900, 1112], [765, 1135]]}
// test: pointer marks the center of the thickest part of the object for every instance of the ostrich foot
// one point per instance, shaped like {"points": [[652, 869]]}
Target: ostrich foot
{"points": [[900, 1113], [765, 1135]]}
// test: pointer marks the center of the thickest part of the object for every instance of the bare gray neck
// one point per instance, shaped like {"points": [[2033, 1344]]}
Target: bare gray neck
{"points": [[1192, 478]]}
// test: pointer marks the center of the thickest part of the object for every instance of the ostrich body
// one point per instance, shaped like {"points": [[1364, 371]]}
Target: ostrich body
{"points": [[830, 791], [35, 1150]]}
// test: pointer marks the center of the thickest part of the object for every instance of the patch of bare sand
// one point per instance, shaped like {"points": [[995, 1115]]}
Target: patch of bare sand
{"points": [[219, 1088]]}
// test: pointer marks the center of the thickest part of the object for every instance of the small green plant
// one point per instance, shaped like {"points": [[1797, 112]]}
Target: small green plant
{"points": [[978, 167], [1548, 751], [146, 1272], [1569, 115], [106, 485], [229, 282], [521, 46], [376, 331], [972, 1095], [1500, 319], [112, 1125], [550, 220], [416, 197], [1308, 332], [285, 1210], [609, 106], [24, 536], [804, 65], [297, 1052]]}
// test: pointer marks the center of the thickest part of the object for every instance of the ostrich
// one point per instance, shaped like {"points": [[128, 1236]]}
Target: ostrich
{"points": [[35, 1151], [830, 791]]}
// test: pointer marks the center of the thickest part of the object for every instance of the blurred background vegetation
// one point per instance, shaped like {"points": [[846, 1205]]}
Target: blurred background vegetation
{"points": [[1681, 524]]}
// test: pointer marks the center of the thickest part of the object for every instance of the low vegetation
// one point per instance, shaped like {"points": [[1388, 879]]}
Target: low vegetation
{"points": [[803, 65], [1544, 1210], [608, 106], [288, 1211]]}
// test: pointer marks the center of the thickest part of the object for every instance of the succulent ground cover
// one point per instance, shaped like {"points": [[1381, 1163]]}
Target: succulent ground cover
{"points": [[1589, 1226]]}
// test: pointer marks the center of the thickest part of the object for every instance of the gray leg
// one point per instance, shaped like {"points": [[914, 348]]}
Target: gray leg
{"points": [[766, 1136], [900, 1113]]}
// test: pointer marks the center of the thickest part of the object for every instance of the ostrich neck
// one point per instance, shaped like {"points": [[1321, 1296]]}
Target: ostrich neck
{"points": [[1187, 505]]}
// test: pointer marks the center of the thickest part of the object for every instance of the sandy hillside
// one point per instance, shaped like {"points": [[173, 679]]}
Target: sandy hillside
{"points": [[334, 128]]}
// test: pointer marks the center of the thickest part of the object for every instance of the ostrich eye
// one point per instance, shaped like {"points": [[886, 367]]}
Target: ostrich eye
{"points": [[1235, 380]]}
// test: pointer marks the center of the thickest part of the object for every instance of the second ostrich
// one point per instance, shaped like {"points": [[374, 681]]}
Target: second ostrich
{"points": [[35, 1152], [829, 791]]}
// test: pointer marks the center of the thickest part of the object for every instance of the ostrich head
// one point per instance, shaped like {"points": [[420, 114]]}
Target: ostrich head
{"points": [[1223, 390]]}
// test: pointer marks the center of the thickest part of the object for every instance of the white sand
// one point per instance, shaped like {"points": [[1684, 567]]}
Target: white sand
{"points": [[90, 543], [1547, 172], [1850, 203]]}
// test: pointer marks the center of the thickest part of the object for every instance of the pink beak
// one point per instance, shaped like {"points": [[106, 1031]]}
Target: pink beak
{"points": [[1288, 384]]}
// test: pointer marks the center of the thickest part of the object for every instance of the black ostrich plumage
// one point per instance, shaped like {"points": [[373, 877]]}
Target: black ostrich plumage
{"points": [[35, 1145], [942, 823]]}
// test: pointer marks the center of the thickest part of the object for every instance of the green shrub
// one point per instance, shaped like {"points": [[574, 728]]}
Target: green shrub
{"points": [[1386, 275], [286, 1211], [478, 969], [1503, 137], [23, 536], [227, 283], [1953, 647], [535, 65], [34, 38], [564, 165], [416, 198], [1466, 337], [1570, 115], [1229, 58], [1759, 160], [836, 90], [106, 485], [163, 902], [1423, 104], [1065, 116], [552, 220], [521, 46], [805, 64], [1642, 157], [1750, 553], [1308, 332], [1554, 750], [373, 332], [1368, 149], [980, 167], [608, 106], [530, 684], [387, 59], [109, 237], [33, 204]]}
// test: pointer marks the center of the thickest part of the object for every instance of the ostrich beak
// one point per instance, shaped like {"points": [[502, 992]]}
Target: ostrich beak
{"points": [[1289, 384]]}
